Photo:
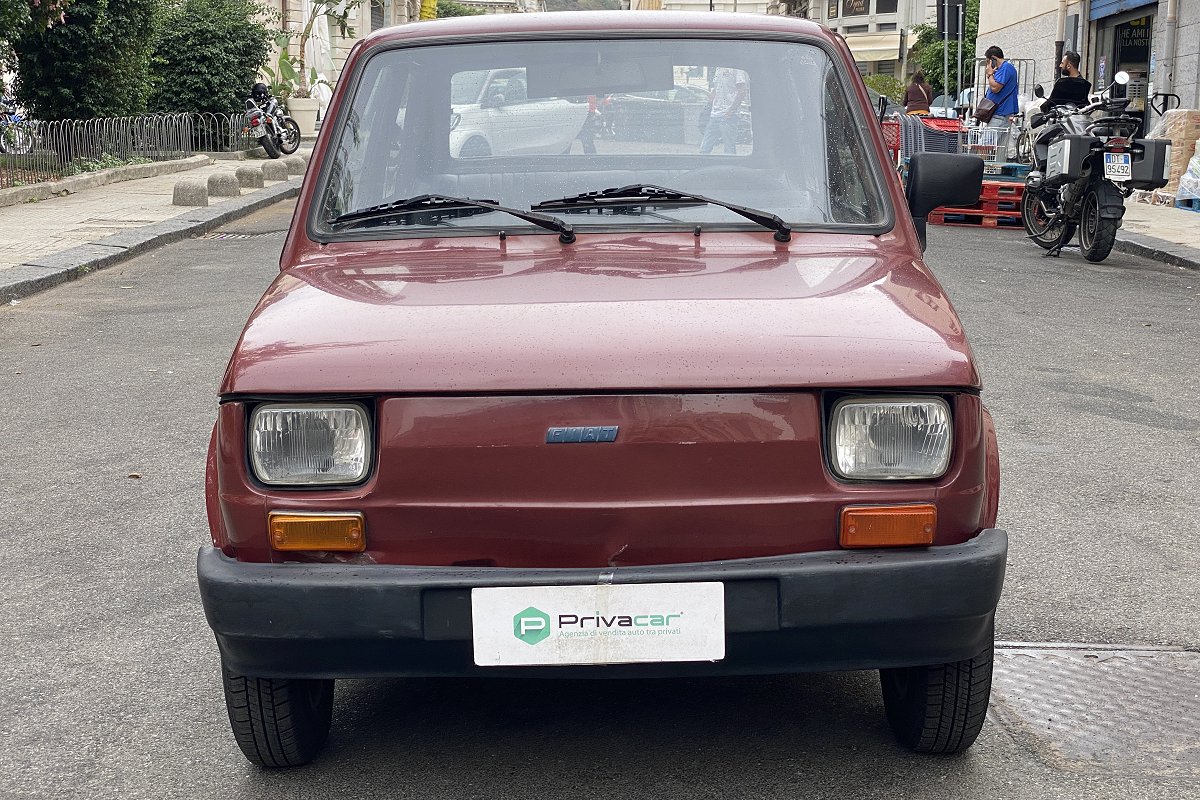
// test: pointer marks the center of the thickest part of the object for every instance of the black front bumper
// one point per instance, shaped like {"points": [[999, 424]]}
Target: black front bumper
{"points": [[835, 610]]}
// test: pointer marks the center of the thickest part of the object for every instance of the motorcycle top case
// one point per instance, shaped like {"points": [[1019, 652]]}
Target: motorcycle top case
{"points": [[1066, 158], [1151, 169]]}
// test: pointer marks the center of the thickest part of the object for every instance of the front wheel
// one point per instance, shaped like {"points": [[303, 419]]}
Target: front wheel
{"points": [[278, 722], [1097, 234], [938, 708], [289, 137], [1039, 220], [268, 144]]}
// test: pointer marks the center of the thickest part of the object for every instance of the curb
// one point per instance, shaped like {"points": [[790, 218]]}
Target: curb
{"points": [[90, 180], [57, 268], [1160, 250]]}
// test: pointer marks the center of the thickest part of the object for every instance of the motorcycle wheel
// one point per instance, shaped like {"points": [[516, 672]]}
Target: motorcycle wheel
{"points": [[1025, 148], [1037, 223], [1096, 234], [289, 137], [268, 144]]}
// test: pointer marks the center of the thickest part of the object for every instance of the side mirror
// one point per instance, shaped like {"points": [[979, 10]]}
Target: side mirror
{"points": [[1121, 77], [941, 179], [1038, 91]]}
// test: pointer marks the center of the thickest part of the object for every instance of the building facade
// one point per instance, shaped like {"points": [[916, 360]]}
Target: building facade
{"points": [[1110, 35], [877, 31]]}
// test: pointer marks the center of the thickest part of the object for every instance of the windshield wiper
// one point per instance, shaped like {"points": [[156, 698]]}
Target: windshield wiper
{"points": [[443, 206], [649, 194]]}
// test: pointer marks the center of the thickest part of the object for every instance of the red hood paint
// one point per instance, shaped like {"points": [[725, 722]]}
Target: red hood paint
{"points": [[610, 312]]}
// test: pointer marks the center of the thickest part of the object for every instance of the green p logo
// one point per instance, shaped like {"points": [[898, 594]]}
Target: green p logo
{"points": [[531, 626]]}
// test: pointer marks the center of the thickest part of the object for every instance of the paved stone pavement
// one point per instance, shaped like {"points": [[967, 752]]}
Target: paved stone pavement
{"points": [[1163, 222], [33, 230]]}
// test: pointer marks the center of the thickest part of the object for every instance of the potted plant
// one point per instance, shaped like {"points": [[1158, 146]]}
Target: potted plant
{"points": [[303, 78]]}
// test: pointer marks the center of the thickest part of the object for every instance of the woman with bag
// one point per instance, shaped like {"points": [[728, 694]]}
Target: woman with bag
{"points": [[918, 95]]}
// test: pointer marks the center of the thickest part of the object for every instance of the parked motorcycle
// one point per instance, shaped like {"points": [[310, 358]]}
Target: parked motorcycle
{"points": [[275, 130], [1084, 168], [16, 134]]}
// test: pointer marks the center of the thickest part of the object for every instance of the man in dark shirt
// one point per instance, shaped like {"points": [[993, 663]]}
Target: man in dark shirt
{"points": [[1071, 87]]}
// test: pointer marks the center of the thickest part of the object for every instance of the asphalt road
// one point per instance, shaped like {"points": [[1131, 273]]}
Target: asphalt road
{"points": [[109, 676]]}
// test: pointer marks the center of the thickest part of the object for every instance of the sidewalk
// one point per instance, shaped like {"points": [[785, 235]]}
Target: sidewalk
{"points": [[1162, 233], [50, 241]]}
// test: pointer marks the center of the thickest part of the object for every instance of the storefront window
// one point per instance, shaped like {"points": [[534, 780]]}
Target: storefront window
{"points": [[855, 8], [885, 6]]}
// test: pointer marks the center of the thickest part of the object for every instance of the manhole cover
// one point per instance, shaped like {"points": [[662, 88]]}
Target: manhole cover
{"points": [[266, 235], [1102, 709]]}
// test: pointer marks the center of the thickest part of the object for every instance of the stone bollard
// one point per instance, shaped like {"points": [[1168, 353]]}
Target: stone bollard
{"points": [[223, 184], [296, 165], [275, 171], [190, 193], [249, 177]]}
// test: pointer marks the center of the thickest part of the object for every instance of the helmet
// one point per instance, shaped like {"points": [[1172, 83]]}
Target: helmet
{"points": [[260, 91]]}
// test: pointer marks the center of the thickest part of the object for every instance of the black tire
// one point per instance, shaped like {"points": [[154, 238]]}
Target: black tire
{"points": [[475, 148], [1037, 223], [939, 708], [268, 144], [289, 137], [278, 722], [1096, 234]]}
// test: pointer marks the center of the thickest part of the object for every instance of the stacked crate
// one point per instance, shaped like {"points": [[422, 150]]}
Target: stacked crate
{"points": [[999, 206]]}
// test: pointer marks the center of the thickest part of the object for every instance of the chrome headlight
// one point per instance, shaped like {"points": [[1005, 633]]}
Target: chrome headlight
{"points": [[310, 445], [891, 438]]}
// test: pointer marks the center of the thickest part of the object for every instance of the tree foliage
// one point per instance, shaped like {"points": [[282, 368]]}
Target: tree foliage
{"points": [[582, 5], [207, 54], [449, 8], [94, 64], [929, 50], [886, 85], [19, 16]]}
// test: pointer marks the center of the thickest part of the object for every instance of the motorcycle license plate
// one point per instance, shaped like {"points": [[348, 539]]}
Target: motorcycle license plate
{"points": [[259, 130], [1117, 166]]}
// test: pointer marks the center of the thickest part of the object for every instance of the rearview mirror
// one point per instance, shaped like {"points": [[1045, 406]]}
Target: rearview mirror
{"points": [[1121, 77], [1038, 91], [941, 179]]}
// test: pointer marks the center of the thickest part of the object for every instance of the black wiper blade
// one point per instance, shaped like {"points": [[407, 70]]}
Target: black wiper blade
{"points": [[441, 205], [647, 193]]}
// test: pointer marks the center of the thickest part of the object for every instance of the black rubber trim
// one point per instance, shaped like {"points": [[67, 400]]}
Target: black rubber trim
{"points": [[833, 610]]}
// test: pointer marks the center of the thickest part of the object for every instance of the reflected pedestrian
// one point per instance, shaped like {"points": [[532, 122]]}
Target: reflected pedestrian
{"points": [[730, 87]]}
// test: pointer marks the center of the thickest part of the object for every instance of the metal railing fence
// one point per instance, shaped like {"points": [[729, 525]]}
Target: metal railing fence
{"points": [[33, 152]]}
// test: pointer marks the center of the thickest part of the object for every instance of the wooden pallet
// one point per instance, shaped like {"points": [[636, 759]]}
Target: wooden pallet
{"points": [[997, 190], [1188, 204], [975, 218]]}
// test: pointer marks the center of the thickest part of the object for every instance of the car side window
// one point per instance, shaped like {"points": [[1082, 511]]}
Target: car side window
{"points": [[846, 161]]}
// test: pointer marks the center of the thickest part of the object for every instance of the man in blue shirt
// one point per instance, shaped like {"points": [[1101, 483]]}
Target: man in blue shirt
{"points": [[1002, 87]]}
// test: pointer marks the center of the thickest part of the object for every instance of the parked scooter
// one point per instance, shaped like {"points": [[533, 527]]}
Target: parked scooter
{"points": [[1083, 169], [275, 131], [16, 134]]}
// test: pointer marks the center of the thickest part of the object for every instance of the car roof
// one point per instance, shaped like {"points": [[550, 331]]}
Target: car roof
{"points": [[608, 22]]}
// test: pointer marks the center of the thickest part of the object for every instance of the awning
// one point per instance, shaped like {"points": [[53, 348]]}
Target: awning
{"points": [[874, 46]]}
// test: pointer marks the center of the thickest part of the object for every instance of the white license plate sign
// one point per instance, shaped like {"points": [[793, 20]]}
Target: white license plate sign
{"points": [[1117, 166], [622, 624]]}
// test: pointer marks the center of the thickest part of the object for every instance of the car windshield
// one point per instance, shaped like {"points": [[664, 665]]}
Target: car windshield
{"points": [[763, 124]]}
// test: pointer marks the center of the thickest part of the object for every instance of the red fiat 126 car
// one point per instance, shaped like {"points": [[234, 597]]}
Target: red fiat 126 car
{"points": [[536, 396]]}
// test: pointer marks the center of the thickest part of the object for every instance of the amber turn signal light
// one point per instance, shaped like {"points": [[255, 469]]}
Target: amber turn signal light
{"points": [[888, 526], [300, 530]]}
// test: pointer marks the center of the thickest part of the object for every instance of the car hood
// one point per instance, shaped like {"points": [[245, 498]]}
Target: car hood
{"points": [[719, 311]]}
